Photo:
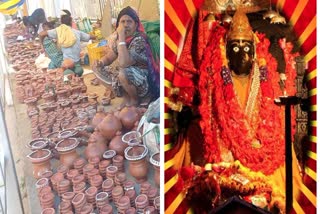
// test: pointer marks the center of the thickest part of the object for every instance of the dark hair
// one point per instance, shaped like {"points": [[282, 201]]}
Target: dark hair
{"points": [[67, 12], [130, 12], [67, 20]]}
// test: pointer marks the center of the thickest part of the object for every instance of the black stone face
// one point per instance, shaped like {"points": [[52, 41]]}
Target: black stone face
{"points": [[240, 54]]}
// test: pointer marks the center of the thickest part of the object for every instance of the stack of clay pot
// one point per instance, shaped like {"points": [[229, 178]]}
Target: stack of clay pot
{"points": [[91, 193], [102, 199], [107, 186], [141, 202], [79, 201]]}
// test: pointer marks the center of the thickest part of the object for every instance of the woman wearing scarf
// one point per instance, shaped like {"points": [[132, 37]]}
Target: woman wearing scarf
{"points": [[137, 71]]}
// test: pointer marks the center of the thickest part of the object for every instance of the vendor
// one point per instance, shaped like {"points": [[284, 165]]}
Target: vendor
{"points": [[51, 49], [70, 42], [137, 72], [35, 21]]}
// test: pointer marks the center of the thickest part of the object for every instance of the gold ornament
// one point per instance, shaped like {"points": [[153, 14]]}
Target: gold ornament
{"points": [[240, 28]]}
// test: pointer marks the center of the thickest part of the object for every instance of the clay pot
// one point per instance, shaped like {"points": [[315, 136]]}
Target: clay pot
{"points": [[117, 144], [107, 186], [99, 116], [152, 194], [46, 174], [96, 146], [67, 150], [144, 187], [96, 181], [156, 203], [40, 160], [109, 154], [141, 202], [128, 116], [72, 173], [120, 178], [42, 182], [86, 169], [118, 161], [111, 172], [63, 169], [79, 188], [102, 199], [94, 161], [131, 210], [132, 196], [123, 204], [47, 200], [128, 185], [44, 190], [68, 196], [39, 143], [138, 166], [132, 135], [103, 166], [86, 209], [79, 164], [48, 211], [155, 161], [106, 209], [150, 210], [91, 193], [55, 179], [78, 179], [117, 193], [68, 133], [78, 201], [65, 207], [63, 186], [109, 126]]}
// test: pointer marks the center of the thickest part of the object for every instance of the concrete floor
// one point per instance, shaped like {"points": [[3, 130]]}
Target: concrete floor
{"points": [[19, 129]]}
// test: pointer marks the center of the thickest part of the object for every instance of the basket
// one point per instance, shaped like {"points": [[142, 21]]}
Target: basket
{"points": [[94, 52]]}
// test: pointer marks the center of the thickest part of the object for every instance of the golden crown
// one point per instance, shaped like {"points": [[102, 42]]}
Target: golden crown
{"points": [[240, 27]]}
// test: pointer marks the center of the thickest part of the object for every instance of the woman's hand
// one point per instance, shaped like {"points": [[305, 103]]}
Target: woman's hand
{"points": [[121, 33]]}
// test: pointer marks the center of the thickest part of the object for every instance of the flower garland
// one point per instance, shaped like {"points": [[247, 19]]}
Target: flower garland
{"points": [[224, 124]]}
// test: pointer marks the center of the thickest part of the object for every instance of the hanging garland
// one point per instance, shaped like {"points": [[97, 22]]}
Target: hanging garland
{"points": [[258, 143]]}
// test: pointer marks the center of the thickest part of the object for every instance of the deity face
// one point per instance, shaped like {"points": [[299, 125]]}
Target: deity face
{"points": [[240, 54]]}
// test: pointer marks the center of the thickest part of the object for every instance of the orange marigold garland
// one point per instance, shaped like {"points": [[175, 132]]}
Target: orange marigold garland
{"points": [[224, 124]]}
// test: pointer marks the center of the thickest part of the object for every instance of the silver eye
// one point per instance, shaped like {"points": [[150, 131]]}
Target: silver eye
{"points": [[236, 49], [246, 49]]}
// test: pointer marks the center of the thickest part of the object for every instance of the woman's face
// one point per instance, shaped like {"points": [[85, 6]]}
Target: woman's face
{"points": [[240, 54], [129, 25]]}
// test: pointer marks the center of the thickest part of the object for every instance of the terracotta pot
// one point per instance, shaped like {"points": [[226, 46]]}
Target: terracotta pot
{"points": [[152, 194], [86, 209], [106, 209], [46, 174], [67, 150], [79, 164], [96, 146], [96, 181], [86, 169], [40, 160], [78, 201], [91, 193], [48, 211], [111, 171], [55, 179], [107, 186], [132, 196], [99, 116], [138, 166], [128, 116], [127, 137], [141, 202], [39, 143], [102, 199], [94, 161], [42, 182], [72, 173], [120, 178], [155, 161], [150, 210], [131, 210], [156, 203], [109, 154], [63, 169], [47, 201], [118, 161], [123, 204], [78, 179], [68, 133], [117, 193], [63, 186], [44, 190], [128, 185], [109, 126], [144, 187], [65, 207], [103, 166], [68, 196], [117, 144], [79, 188]]}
